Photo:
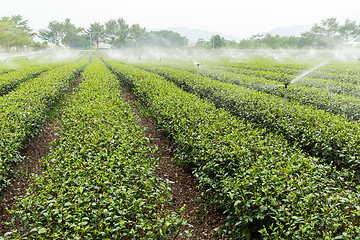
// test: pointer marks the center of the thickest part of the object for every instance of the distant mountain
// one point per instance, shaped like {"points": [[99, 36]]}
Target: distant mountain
{"points": [[294, 30], [194, 34]]}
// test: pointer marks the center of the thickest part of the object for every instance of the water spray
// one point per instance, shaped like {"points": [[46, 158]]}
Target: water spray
{"points": [[307, 72], [287, 83]]}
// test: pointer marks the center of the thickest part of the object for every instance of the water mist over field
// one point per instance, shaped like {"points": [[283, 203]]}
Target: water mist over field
{"points": [[39, 57], [233, 55], [308, 57]]}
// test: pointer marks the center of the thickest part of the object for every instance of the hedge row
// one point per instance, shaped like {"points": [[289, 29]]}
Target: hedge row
{"points": [[99, 181], [21, 111], [5, 70], [266, 188], [324, 80], [341, 104], [11, 80], [345, 73], [324, 135]]}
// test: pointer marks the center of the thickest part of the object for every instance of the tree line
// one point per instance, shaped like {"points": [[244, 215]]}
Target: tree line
{"points": [[15, 33], [329, 33], [115, 32]]}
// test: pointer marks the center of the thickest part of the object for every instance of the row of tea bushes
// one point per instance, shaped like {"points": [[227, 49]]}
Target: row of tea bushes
{"points": [[5, 70], [340, 101], [98, 182], [12, 79], [22, 111], [335, 84], [266, 188], [343, 73], [320, 134]]}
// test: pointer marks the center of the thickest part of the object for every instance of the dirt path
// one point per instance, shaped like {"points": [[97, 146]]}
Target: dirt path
{"points": [[32, 153], [184, 190]]}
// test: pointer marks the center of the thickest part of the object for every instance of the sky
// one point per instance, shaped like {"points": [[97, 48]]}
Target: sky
{"points": [[241, 18]]}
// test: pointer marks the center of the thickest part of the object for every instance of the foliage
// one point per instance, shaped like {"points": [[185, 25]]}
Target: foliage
{"points": [[266, 188], [270, 40], [136, 32], [217, 41], [338, 98], [96, 32], [99, 181], [117, 30], [163, 39], [22, 111], [320, 134], [11, 80], [349, 31], [15, 32], [124, 31], [61, 33]]}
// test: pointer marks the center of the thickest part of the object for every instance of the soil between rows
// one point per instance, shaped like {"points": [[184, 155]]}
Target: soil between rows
{"points": [[184, 189]]}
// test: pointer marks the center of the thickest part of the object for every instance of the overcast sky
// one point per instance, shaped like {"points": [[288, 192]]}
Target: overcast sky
{"points": [[240, 18]]}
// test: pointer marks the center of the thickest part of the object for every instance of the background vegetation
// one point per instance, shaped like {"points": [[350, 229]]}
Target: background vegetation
{"points": [[15, 34]]}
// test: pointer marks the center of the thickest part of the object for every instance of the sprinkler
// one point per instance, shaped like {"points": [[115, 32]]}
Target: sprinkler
{"points": [[197, 73], [285, 95], [4, 63]]}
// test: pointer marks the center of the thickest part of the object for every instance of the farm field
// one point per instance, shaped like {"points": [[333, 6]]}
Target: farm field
{"points": [[273, 147]]}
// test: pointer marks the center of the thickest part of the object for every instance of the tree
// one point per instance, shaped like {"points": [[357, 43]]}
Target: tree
{"points": [[314, 37], [136, 32], [117, 30], [271, 40], [217, 41], [245, 44], [96, 32], [20, 23], [60, 33], [124, 31], [163, 38], [112, 29], [329, 28], [6, 38], [15, 32], [232, 44], [53, 34], [350, 30], [71, 33], [201, 43]]}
